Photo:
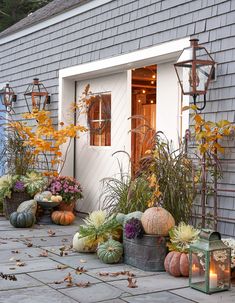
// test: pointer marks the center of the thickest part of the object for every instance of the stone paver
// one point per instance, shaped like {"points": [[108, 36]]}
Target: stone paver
{"points": [[197, 296], [51, 276], [154, 283], [159, 297], [93, 294], [23, 281], [35, 280], [42, 294]]}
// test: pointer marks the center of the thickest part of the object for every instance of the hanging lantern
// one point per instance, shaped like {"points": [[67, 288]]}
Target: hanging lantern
{"points": [[210, 264], [7, 97], [36, 96], [194, 69]]}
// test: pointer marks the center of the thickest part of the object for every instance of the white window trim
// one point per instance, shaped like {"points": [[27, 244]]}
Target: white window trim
{"points": [[53, 20]]}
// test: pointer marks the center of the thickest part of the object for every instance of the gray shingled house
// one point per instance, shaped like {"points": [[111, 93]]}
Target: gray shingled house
{"points": [[125, 50]]}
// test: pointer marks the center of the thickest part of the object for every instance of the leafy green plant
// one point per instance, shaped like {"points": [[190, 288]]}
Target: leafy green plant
{"points": [[182, 236], [98, 228], [124, 195], [169, 173], [15, 157]]}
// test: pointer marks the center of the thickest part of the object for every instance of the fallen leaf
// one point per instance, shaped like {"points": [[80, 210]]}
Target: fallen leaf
{"points": [[30, 256], [20, 264], [62, 266], [1, 242], [131, 283], [29, 244], [58, 282], [69, 284], [114, 274], [68, 277], [12, 268], [83, 284], [64, 240], [82, 260], [43, 239], [61, 253], [44, 253], [103, 274], [51, 233], [80, 270], [15, 251], [8, 277]]}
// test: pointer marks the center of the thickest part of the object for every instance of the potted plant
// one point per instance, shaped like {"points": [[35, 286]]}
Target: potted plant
{"points": [[68, 188], [14, 189], [177, 261]]}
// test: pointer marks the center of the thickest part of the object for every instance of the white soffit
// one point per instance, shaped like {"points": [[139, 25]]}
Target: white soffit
{"points": [[53, 20], [164, 52]]}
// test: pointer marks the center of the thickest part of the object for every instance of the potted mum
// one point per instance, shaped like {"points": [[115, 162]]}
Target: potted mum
{"points": [[68, 188]]}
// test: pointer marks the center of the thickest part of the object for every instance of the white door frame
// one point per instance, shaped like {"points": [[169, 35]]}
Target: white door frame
{"points": [[157, 54]]}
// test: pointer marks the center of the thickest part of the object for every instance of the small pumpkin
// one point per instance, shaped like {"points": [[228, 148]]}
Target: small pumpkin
{"points": [[79, 244], [177, 264], [22, 219], [157, 221], [62, 217], [110, 251]]}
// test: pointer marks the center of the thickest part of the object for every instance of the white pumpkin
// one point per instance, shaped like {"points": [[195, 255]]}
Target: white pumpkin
{"points": [[80, 244]]}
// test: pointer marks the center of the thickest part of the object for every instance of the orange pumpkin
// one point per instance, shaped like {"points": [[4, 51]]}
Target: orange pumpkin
{"points": [[62, 217], [157, 221], [177, 264]]}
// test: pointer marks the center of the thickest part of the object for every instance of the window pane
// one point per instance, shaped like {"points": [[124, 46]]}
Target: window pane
{"points": [[99, 118]]}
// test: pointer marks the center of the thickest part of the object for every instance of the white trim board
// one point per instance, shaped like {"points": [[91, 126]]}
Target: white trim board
{"points": [[156, 54], [53, 20]]}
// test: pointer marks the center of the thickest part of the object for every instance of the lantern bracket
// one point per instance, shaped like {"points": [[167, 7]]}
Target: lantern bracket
{"points": [[195, 102]]}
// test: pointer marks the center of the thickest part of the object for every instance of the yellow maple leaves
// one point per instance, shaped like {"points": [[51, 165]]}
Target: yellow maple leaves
{"points": [[44, 138]]}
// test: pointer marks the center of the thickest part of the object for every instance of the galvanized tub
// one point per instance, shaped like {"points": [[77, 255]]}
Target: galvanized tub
{"points": [[147, 253]]}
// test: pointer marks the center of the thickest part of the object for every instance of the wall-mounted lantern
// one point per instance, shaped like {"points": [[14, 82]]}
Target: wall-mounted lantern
{"points": [[194, 69], [210, 261], [7, 97], [36, 96]]}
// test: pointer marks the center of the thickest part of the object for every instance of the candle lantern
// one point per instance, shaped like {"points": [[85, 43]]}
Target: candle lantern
{"points": [[36, 96], [194, 69], [7, 97], [209, 260]]}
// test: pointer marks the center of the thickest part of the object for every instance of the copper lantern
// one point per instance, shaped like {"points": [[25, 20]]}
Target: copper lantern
{"points": [[194, 69], [36, 96], [7, 97]]}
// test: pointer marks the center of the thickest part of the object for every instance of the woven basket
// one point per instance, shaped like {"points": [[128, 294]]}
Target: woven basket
{"points": [[11, 204]]}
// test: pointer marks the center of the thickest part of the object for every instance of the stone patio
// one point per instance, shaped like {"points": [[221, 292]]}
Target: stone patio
{"points": [[36, 278]]}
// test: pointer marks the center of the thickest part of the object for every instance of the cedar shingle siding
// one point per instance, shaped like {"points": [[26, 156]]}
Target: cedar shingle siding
{"points": [[122, 26]]}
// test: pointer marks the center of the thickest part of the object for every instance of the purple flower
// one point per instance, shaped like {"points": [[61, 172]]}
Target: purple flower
{"points": [[19, 186]]}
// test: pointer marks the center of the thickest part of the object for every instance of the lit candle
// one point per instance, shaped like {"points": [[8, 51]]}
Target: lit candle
{"points": [[195, 270], [213, 279]]}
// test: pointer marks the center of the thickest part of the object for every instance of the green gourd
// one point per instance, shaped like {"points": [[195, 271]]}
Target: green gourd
{"points": [[110, 251], [22, 219]]}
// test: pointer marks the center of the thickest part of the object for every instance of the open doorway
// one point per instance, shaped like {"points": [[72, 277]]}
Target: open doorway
{"points": [[143, 110]]}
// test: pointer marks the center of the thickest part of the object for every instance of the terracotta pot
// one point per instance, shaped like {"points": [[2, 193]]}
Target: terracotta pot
{"points": [[67, 206]]}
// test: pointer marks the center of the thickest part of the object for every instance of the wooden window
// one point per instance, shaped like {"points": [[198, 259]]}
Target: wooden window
{"points": [[99, 120]]}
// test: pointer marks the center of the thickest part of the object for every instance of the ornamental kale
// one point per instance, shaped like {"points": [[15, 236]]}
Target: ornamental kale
{"points": [[19, 186], [67, 187], [134, 229]]}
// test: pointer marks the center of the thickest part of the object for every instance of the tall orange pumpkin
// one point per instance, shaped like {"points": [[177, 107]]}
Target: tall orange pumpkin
{"points": [[62, 217], [157, 221]]}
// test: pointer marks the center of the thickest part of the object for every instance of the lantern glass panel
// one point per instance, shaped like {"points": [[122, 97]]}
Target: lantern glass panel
{"points": [[184, 72], [203, 74], [198, 269], [219, 273]]}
